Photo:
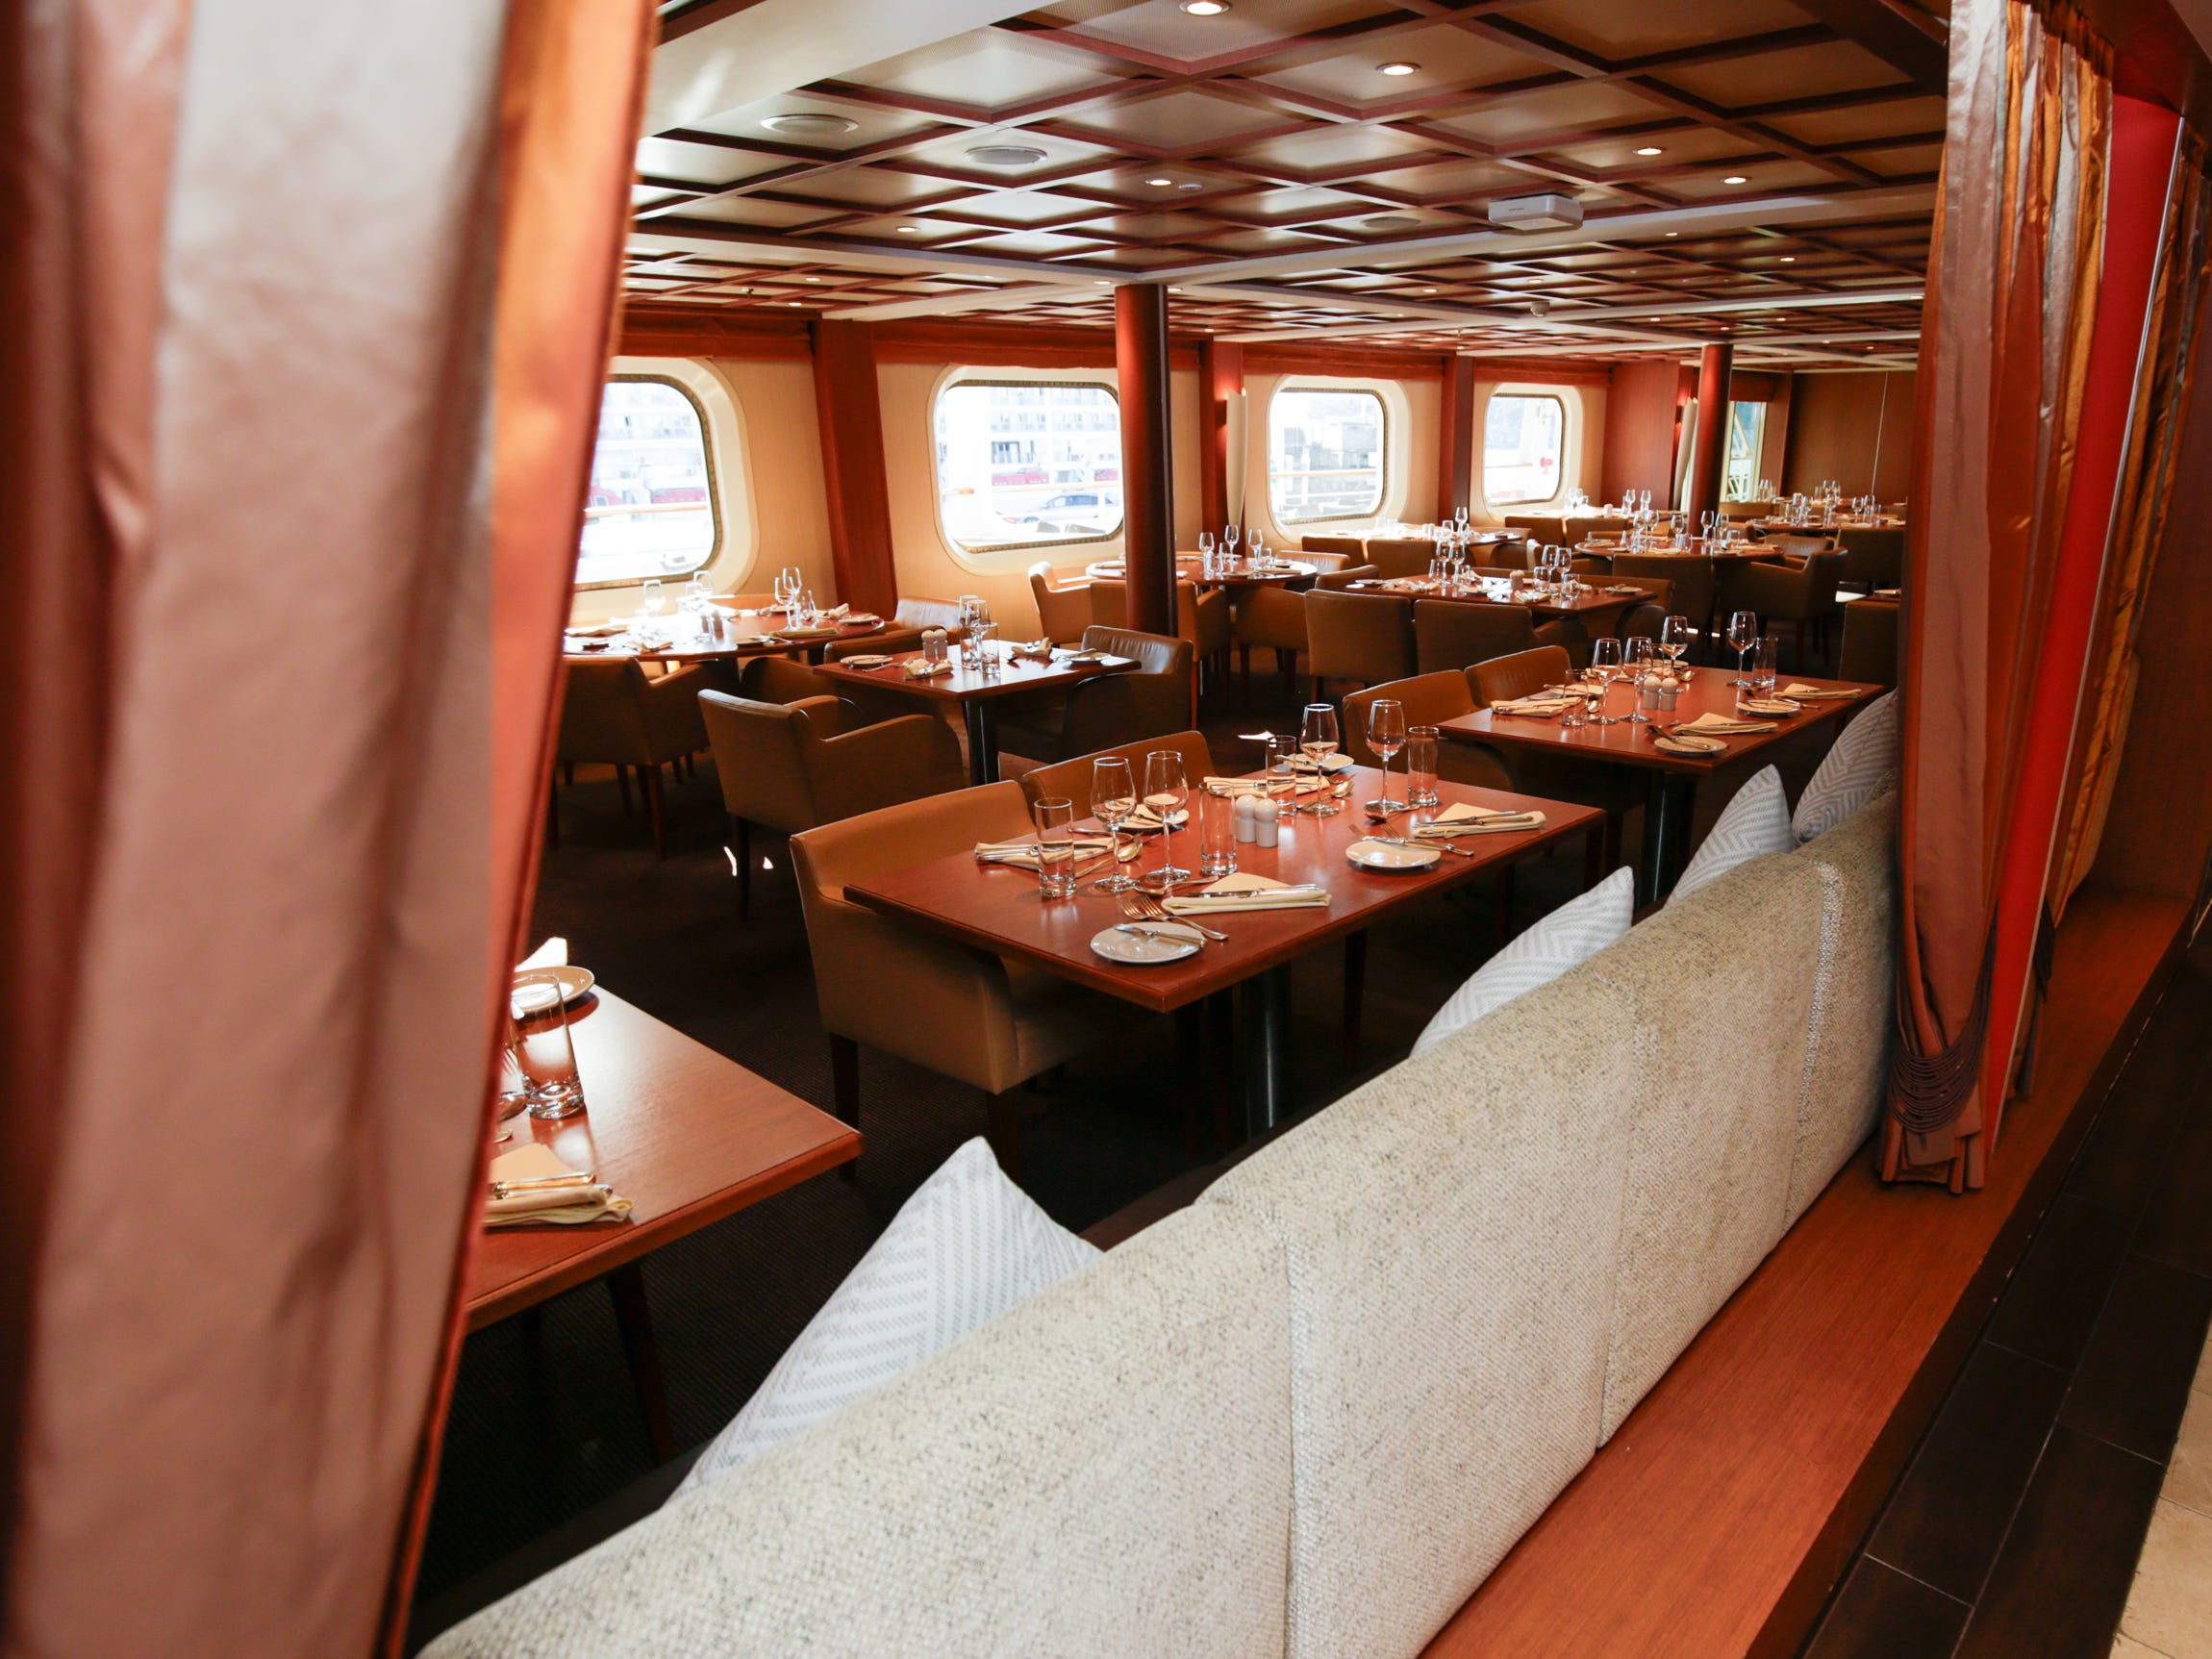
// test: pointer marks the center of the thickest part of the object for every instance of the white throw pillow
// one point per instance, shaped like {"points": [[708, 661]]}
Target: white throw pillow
{"points": [[1573, 932], [968, 1245], [1752, 825], [1859, 765]]}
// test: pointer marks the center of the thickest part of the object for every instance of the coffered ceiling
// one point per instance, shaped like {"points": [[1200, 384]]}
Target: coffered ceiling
{"points": [[1761, 170]]}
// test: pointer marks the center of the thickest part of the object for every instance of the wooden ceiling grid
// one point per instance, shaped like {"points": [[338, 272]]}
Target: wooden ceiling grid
{"points": [[1170, 144]]}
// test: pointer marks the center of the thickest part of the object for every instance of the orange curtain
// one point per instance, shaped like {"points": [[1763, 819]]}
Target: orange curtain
{"points": [[306, 313], [2004, 352]]}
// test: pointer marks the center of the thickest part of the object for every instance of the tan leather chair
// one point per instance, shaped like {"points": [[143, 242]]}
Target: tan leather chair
{"points": [[1340, 579], [790, 766], [961, 1013], [1352, 548], [1522, 674], [1070, 780], [1401, 555], [1453, 634], [1365, 637], [1647, 615], [612, 713], [1109, 710], [1063, 613], [1874, 557], [1739, 510], [1202, 618], [1693, 577], [1544, 529], [903, 632], [1504, 555], [1803, 595], [1429, 700], [1273, 619], [1870, 648], [1797, 544]]}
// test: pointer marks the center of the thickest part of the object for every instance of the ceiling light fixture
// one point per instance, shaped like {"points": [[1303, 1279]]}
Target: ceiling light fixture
{"points": [[1159, 184], [1205, 7], [1006, 154], [1674, 233], [1188, 186], [811, 124], [1650, 150], [1789, 259], [1735, 179], [910, 229], [1398, 68]]}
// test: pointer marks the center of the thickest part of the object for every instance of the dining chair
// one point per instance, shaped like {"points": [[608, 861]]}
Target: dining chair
{"points": [[1342, 578], [947, 1008], [1510, 555], [1796, 544], [903, 631], [1522, 674], [1365, 637], [1429, 700], [1401, 555], [1061, 613], [1874, 557], [1647, 617], [1275, 618], [1201, 618], [1868, 652], [1693, 578], [1546, 530], [790, 766], [1352, 548], [1454, 633], [613, 713], [1106, 710], [1801, 595], [1071, 779]]}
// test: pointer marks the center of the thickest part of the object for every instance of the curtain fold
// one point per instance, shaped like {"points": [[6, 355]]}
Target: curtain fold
{"points": [[2005, 345]]}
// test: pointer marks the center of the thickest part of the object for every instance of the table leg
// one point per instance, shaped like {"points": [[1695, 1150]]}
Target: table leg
{"points": [[1267, 1049], [1355, 986], [634, 1318], [982, 740], [1666, 810]]}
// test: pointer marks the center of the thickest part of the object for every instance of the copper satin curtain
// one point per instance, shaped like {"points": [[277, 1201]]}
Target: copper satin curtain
{"points": [[2004, 347], [267, 780], [2171, 351]]}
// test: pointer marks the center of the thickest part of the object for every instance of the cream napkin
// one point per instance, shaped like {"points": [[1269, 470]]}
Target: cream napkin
{"points": [[1536, 707], [601, 630], [1247, 889], [553, 953], [918, 670], [1717, 725], [1147, 818], [1022, 854], [563, 1206], [1333, 763], [1463, 817], [1037, 651], [1814, 694]]}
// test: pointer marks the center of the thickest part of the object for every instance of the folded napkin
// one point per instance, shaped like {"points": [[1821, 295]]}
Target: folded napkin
{"points": [[1623, 587], [1037, 651], [553, 953], [757, 640], [1021, 854], [1536, 707], [600, 630], [873, 660], [1331, 763], [563, 1206], [862, 616], [1717, 725], [1144, 818], [1247, 889], [1798, 694], [918, 670], [1462, 817]]}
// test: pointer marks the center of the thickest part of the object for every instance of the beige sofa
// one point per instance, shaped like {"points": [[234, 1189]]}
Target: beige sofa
{"points": [[1307, 1415]]}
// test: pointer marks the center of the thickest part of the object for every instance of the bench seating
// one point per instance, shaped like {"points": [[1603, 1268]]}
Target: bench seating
{"points": [[1307, 1415]]}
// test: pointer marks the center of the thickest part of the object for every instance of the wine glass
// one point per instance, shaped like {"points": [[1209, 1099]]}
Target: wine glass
{"points": [[1317, 741], [1674, 639], [1166, 792], [1255, 549], [795, 582], [1113, 799], [1742, 635], [1637, 655], [1604, 669], [1385, 736], [1231, 535], [1206, 551]]}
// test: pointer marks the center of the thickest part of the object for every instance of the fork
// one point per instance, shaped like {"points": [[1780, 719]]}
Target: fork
{"points": [[1143, 907], [1403, 840]]}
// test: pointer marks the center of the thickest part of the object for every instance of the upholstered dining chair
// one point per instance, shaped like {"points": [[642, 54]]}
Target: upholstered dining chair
{"points": [[1453, 634], [903, 631], [1342, 578], [1201, 618], [1070, 780], [959, 1012], [1803, 594], [1796, 544], [1546, 530], [1868, 652], [1510, 555], [1275, 618], [613, 713], [790, 766], [1428, 700], [1352, 548], [1063, 613], [1365, 637], [1692, 576], [1520, 675], [1401, 555], [1874, 557], [1108, 709]]}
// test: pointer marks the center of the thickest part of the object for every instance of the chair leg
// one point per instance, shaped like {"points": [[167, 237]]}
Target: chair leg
{"points": [[744, 833], [568, 773], [1002, 1128], [653, 805], [1503, 902], [1191, 1063], [634, 1320], [844, 1079], [1355, 988], [622, 783], [1245, 669], [552, 817]]}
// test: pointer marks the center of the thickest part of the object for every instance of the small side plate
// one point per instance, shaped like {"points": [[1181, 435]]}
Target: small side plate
{"points": [[1171, 942], [1378, 855], [575, 982], [1770, 708], [1692, 745]]}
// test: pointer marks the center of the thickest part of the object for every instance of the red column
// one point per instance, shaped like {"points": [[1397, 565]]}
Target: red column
{"points": [[851, 415], [1147, 493], [1220, 377], [1709, 446], [1455, 433]]}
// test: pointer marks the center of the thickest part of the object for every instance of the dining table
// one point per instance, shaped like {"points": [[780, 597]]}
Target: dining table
{"points": [[998, 908], [979, 688], [687, 638], [1585, 602], [1272, 572], [1670, 780]]}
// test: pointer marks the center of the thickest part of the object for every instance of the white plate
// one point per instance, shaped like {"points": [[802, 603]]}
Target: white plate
{"points": [[1770, 708], [1382, 856], [871, 661], [1692, 745], [575, 982], [1146, 950]]}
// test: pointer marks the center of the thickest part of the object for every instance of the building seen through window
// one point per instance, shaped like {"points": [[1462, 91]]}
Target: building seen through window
{"points": [[1324, 455], [1746, 433], [1521, 441], [1028, 462], [651, 508]]}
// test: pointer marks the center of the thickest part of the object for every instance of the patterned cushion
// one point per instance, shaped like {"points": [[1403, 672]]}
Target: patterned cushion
{"points": [[968, 1245], [1573, 932], [1861, 764], [1752, 825]]}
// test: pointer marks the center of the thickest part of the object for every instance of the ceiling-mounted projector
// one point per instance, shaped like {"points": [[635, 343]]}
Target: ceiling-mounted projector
{"points": [[1545, 213]]}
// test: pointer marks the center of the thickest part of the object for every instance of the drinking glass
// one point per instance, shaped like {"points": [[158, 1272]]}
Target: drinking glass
{"points": [[1166, 792], [1317, 741], [1639, 656], [1742, 635], [1385, 736], [1605, 667], [793, 581], [1054, 816], [1230, 535], [1206, 550], [1420, 765], [652, 597], [1113, 798], [1281, 780], [1763, 663], [984, 637], [538, 1003], [1674, 638], [783, 588], [1217, 833], [1255, 549]]}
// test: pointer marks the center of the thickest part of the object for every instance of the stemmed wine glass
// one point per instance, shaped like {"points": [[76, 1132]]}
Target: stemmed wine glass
{"points": [[1317, 741], [1166, 792], [1231, 535], [1206, 551], [1639, 654], [1605, 667], [1385, 736], [652, 600], [1113, 799], [1742, 635], [1674, 638]]}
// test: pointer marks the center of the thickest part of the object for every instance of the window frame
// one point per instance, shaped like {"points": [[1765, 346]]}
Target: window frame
{"points": [[1382, 455], [1566, 428], [960, 377], [714, 514], [1758, 447]]}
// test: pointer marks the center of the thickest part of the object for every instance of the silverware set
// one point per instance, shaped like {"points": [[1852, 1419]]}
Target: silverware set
{"points": [[541, 1183], [1415, 841], [1143, 907]]}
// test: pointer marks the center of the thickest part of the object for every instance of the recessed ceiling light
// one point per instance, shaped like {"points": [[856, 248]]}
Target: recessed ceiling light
{"points": [[1100, 282], [1159, 184], [1398, 68], [814, 278], [1789, 259], [1735, 179], [1674, 233], [791, 302], [910, 229], [1650, 150], [811, 124], [1006, 154], [1205, 7], [1187, 185], [1428, 290]]}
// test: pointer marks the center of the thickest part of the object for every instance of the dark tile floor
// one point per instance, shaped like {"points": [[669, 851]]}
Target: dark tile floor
{"points": [[2015, 1528]]}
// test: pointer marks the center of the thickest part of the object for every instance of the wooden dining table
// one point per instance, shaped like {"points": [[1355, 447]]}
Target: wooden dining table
{"points": [[977, 693], [1588, 602], [1670, 780], [998, 908], [745, 634], [1243, 573], [686, 1135]]}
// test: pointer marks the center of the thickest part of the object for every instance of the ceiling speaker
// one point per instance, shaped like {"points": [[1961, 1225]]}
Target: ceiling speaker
{"points": [[1545, 213]]}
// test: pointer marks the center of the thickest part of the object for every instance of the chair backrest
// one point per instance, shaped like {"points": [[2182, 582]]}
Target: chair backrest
{"points": [[1740, 510], [1338, 580], [1520, 674], [1109, 605], [1325, 561], [1873, 555], [1455, 635], [1155, 653], [780, 680], [930, 613], [1544, 529], [762, 755], [1823, 571], [1428, 699], [1070, 780], [1585, 564], [1352, 548], [1797, 544], [1870, 647], [1061, 613], [1362, 636], [603, 712], [1401, 555], [1690, 573], [1510, 555]]}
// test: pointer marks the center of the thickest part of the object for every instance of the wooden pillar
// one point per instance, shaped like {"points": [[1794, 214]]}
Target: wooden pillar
{"points": [[1709, 447], [1220, 377], [852, 415], [1455, 431], [1147, 492]]}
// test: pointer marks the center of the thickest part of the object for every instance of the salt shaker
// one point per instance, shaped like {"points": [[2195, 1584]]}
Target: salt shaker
{"points": [[1266, 824], [1246, 814]]}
